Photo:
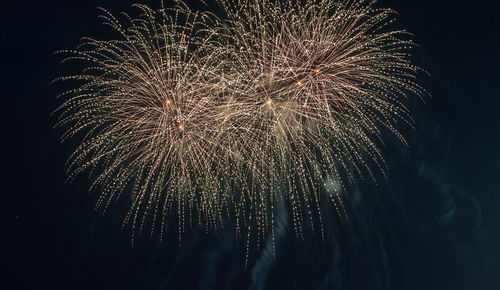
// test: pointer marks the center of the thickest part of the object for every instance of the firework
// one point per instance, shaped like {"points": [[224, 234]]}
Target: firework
{"points": [[315, 84], [150, 115], [275, 104]]}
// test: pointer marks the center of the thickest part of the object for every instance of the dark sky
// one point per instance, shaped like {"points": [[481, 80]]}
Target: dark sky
{"points": [[53, 239]]}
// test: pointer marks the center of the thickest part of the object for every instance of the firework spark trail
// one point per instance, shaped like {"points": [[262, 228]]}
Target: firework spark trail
{"points": [[207, 118]]}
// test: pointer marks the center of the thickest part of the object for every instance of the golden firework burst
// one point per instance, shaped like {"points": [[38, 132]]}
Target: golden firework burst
{"points": [[278, 103]]}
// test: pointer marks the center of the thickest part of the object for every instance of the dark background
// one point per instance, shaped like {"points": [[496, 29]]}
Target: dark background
{"points": [[432, 224]]}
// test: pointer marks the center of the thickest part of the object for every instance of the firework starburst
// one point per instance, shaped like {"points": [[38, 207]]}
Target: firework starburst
{"points": [[275, 104]]}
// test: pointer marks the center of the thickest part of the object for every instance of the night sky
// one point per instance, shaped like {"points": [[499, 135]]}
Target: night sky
{"points": [[432, 223]]}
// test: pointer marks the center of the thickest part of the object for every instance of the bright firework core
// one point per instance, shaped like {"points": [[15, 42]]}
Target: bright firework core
{"points": [[332, 77]]}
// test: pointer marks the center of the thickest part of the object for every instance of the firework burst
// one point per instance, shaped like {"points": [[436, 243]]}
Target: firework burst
{"points": [[316, 85], [150, 113], [274, 105]]}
